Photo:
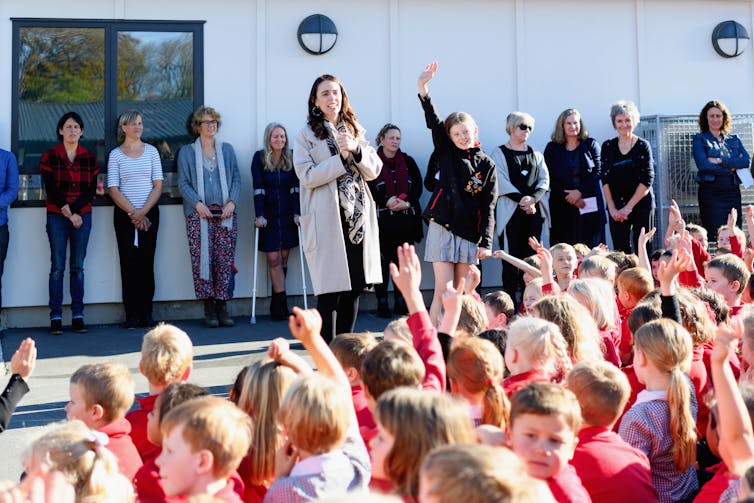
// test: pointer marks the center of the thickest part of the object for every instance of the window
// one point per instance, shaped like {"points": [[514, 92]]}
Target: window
{"points": [[101, 69]]}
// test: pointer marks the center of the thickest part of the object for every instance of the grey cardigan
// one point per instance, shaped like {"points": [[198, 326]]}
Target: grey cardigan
{"points": [[187, 176]]}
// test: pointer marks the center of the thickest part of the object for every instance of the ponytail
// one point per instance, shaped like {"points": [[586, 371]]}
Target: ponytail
{"points": [[682, 424], [497, 408], [560, 362]]}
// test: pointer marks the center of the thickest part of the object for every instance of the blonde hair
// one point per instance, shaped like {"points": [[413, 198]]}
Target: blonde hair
{"points": [[541, 342], [597, 296], [576, 325], [473, 318], [315, 413], [419, 421], [474, 473], [108, 384], [534, 287], [477, 366], [736, 232], [74, 450], [562, 247], [350, 349], [127, 117], [285, 162], [198, 115], [264, 386], [214, 424], [667, 345], [602, 391], [398, 329], [598, 266], [546, 399], [166, 354]]}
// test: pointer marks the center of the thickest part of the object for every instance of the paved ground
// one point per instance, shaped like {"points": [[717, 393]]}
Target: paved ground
{"points": [[218, 355]]}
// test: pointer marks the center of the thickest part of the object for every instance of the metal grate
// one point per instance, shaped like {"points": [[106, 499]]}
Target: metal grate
{"points": [[671, 138]]}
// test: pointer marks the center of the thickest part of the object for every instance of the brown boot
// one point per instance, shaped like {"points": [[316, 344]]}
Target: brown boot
{"points": [[222, 314], [210, 315]]}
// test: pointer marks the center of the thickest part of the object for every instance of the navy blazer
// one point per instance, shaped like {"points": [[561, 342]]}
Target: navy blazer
{"points": [[706, 145]]}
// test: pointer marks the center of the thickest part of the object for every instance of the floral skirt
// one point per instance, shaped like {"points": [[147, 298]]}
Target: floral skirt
{"points": [[222, 251]]}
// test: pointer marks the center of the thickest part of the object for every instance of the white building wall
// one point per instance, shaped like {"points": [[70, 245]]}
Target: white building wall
{"points": [[495, 56]]}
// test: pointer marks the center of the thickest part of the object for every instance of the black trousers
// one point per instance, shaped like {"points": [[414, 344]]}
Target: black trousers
{"points": [[519, 229], [338, 311], [626, 234], [136, 263]]}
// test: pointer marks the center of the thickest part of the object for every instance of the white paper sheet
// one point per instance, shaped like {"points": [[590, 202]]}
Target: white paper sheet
{"points": [[746, 179], [591, 205]]}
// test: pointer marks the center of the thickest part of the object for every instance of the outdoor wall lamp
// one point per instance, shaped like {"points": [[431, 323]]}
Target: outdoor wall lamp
{"points": [[729, 39], [317, 34]]}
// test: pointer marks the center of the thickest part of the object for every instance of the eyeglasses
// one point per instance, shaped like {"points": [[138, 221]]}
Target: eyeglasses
{"points": [[209, 123], [525, 127]]}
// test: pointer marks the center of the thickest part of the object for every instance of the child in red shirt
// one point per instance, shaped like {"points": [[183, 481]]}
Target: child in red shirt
{"points": [[166, 356], [610, 469], [100, 396], [632, 285]]}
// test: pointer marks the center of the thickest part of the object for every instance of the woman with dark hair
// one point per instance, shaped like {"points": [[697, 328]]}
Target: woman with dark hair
{"points": [[134, 180], [69, 172], [333, 161], [573, 159], [276, 203], [627, 176], [718, 156], [396, 193], [210, 184]]}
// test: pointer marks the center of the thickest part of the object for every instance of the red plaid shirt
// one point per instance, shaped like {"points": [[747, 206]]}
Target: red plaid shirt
{"points": [[72, 183]]}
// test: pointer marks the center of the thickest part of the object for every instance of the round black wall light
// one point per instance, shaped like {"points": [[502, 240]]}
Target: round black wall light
{"points": [[317, 34], [729, 39]]}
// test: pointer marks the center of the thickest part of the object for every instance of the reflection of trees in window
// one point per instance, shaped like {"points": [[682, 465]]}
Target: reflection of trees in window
{"points": [[155, 65], [62, 65]]}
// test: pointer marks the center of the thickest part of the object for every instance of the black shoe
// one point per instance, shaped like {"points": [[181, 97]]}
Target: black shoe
{"points": [[223, 317], [78, 326], [146, 323], [383, 311], [210, 314], [279, 306], [56, 327], [130, 323]]}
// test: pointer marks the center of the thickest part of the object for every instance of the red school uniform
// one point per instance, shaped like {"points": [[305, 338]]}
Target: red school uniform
{"points": [[610, 469], [122, 446], [363, 414], [428, 346], [566, 487], [716, 486], [513, 383], [148, 486], [138, 419]]}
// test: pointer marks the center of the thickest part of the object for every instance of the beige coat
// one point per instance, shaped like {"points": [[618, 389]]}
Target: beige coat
{"points": [[322, 235]]}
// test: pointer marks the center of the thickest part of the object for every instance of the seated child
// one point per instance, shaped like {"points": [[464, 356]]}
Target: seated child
{"points": [[576, 326], [147, 481], [411, 423], [727, 275], [532, 293], [545, 419], [564, 264], [350, 349], [166, 355], [731, 237], [582, 250], [203, 441], [609, 468], [500, 309], [535, 352], [83, 458], [598, 266], [475, 371], [323, 455], [101, 393], [632, 285], [472, 319], [698, 234], [489, 475], [661, 423], [596, 296], [398, 329]]}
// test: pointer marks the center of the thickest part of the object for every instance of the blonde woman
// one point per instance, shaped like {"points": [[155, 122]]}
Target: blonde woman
{"points": [[276, 205]]}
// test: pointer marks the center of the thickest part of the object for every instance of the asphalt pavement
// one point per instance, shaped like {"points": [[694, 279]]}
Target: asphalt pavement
{"points": [[218, 356]]}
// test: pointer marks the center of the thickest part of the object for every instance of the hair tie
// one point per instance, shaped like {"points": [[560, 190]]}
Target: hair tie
{"points": [[97, 439], [490, 382]]}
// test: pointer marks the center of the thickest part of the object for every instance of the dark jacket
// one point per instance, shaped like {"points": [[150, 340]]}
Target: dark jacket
{"points": [[464, 197], [407, 224], [276, 198]]}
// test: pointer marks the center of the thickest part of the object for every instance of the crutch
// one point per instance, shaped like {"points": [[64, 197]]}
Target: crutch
{"points": [[303, 271], [253, 319]]}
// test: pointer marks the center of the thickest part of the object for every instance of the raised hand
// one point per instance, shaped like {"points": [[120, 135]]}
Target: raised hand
{"points": [[535, 244], [23, 360], [646, 237], [407, 275], [426, 75], [305, 325]]}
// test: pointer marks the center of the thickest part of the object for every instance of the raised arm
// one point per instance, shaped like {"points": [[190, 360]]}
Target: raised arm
{"points": [[517, 262]]}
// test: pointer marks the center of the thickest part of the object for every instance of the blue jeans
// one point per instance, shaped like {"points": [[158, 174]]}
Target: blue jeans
{"points": [[60, 231]]}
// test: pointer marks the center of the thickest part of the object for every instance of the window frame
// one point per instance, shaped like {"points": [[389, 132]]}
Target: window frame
{"points": [[111, 29]]}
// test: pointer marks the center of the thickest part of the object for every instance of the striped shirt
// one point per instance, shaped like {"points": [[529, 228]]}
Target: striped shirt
{"points": [[134, 176]]}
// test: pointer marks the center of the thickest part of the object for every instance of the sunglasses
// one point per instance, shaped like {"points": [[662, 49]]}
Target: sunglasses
{"points": [[525, 127]]}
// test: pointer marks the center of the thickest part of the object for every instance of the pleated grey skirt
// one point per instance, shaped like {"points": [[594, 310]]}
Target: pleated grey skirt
{"points": [[442, 245]]}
